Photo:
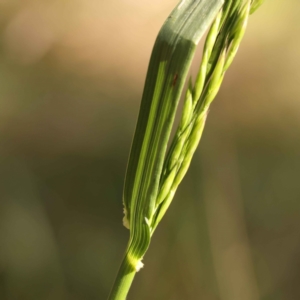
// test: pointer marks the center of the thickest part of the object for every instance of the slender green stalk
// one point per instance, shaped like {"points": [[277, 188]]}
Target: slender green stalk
{"points": [[123, 280], [152, 176]]}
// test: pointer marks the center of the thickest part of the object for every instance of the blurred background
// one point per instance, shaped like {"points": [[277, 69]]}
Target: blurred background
{"points": [[71, 78]]}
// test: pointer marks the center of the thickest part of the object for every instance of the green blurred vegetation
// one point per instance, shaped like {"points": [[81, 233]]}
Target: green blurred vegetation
{"points": [[71, 78]]}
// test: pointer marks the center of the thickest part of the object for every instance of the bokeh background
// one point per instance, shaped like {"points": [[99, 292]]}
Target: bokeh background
{"points": [[71, 78]]}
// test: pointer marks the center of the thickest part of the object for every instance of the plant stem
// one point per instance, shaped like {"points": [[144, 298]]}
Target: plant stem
{"points": [[123, 280]]}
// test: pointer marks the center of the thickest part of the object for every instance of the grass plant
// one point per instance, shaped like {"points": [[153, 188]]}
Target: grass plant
{"points": [[153, 173]]}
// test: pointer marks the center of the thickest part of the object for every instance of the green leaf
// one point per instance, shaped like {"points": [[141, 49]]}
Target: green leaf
{"points": [[255, 5], [169, 64]]}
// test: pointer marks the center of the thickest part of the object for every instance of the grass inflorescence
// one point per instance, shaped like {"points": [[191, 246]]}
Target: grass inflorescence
{"points": [[153, 174]]}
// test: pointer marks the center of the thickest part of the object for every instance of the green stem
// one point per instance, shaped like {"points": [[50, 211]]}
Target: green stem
{"points": [[123, 280]]}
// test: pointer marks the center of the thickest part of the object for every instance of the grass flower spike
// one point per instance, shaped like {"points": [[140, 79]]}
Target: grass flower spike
{"points": [[153, 173]]}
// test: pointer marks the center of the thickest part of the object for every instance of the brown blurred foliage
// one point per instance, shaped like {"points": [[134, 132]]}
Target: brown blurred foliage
{"points": [[71, 78]]}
